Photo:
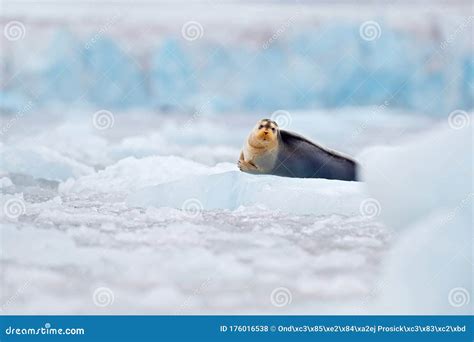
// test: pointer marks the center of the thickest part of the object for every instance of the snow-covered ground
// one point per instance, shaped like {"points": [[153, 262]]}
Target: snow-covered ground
{"points": [[424, 191], [80, 229], [159, 218]]}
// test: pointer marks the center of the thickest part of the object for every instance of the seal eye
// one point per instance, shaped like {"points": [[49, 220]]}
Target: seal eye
{"points": [[260, 127]]}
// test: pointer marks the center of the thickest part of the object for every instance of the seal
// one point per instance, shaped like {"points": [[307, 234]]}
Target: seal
{"points": [[274, 151]]}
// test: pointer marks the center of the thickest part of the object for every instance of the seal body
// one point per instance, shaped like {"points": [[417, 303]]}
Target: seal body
{"points": [[270, 150], [299, 157]]}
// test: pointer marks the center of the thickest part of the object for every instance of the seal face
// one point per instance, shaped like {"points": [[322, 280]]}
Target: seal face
{"points": [[260, 151], [271, 150]]}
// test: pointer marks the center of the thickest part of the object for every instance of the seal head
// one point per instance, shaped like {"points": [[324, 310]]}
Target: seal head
{"points": [[260, 151]]}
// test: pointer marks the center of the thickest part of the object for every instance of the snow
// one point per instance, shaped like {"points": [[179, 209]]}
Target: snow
{"points": [[424, 189], [435, 170], [76, 232], [40, 162], [237, 258], [146, 171], [231, 190], [5, 182], [188, 233], [167, 234]]}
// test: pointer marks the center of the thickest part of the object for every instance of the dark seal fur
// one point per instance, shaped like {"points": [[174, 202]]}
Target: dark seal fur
{"points": [[302, 158]]}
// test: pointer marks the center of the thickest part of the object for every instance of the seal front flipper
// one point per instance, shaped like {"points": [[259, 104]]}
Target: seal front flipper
{"points": [[246, 166]]}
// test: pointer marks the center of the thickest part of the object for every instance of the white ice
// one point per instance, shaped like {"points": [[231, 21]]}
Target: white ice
{"points": [[425, 193], [124, 223], [254, 234], [231, 190]]}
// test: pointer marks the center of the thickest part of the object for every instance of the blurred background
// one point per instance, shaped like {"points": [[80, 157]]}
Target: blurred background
{"points": [[237, 56], [99, 99], [189, 61]]}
